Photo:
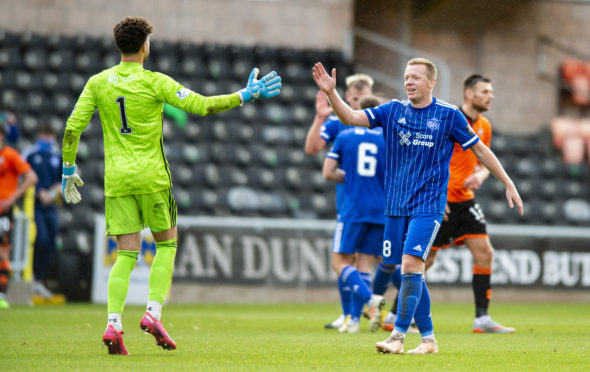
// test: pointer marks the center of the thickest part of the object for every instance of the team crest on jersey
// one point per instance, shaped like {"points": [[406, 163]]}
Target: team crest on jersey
{"points": [[433, 123], [183, 93]]}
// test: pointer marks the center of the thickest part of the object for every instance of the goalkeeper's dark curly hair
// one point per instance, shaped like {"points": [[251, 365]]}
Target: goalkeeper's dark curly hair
{"points": [[130, 34]]}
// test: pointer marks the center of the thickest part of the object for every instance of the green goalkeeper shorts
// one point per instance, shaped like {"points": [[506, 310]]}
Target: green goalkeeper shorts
{"points": [[132, 213]]}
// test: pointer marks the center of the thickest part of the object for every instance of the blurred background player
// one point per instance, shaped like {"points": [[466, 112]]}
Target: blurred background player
{"points": [[323, 131], [419, 134], [357, 160], [138, 184], [45, 159], [8, 121], [465, 222], [12, 167]]}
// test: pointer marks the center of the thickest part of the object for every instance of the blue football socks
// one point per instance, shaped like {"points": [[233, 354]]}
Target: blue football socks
{"points": [[383, 275], [357, 301], [423, 316], [345, 296], [409, 297], [351, 277], [396, 278]]}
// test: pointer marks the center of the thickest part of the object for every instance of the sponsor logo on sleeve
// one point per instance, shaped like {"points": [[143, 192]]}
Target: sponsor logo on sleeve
{"points": [[183, 93]]}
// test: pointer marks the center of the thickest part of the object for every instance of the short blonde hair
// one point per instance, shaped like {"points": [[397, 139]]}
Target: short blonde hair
{"points": [[359, 81], [430, 67]]}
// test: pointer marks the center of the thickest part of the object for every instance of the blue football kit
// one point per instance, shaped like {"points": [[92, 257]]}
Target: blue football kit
{"points": [[360, 153], [419, 144]]}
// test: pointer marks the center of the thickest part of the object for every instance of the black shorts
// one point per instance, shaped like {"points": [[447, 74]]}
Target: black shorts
{"points": [[466, 220], [6, 225]]}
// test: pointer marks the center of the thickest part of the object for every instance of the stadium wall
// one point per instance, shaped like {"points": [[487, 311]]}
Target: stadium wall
{"points": [[316, 24], [502, 43]]}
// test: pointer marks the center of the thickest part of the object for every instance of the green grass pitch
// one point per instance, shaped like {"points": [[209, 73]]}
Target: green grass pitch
{"points": [[290, 337]]}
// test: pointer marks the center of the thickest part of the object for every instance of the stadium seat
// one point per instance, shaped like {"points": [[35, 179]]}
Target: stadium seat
{"points": [[243, 199], [526, 168], [577, 211], [35, 59], [10, 57], [63, 103], [575, 189], [61, 59], [8, 38], [263, 178], [30, 40], [236, 176], [277, 136], [8, 78], [216, 68], [183, 175]]}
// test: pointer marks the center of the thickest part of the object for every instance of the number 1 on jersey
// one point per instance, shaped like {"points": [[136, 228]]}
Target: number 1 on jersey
{"points": [[125, 129]]}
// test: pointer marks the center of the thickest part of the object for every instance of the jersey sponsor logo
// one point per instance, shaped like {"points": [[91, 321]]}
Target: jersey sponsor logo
{"points": [[422, 140], [402, 121], [183, 93], [113, 79], [405, 138], [433, 123]]}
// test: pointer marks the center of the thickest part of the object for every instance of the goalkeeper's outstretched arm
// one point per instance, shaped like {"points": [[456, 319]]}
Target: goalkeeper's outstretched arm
{"points": [[178, 96]]}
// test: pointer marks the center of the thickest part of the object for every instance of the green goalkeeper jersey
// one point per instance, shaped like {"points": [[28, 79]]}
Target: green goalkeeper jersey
{"points": [[130, 100]]}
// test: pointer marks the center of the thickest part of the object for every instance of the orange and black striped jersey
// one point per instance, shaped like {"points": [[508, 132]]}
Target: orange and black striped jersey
{"points": [[463, 162]]}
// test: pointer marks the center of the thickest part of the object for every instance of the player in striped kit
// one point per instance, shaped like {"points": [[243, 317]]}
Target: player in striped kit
{"points": [[420, 134], [137, 180]]}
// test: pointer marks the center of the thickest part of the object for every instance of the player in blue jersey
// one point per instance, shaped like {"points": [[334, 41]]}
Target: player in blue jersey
{"points": [[357, 161], [323, 131], [420, 134]]}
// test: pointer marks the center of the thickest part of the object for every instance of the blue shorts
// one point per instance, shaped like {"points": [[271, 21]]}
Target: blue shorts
{"points": [[411, 235], [363, 237]]}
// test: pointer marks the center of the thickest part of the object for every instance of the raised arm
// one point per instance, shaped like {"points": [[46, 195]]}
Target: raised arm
{"points": [[344, 112], [314, 143], [331, 172], [489, 160]]}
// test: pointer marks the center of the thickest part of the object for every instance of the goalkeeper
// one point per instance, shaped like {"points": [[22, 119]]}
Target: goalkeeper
{"points": [[137, 179]]}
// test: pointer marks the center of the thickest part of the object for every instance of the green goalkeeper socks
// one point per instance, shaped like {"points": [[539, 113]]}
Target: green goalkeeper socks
{"points": [[161, 272], [119, 280]]}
